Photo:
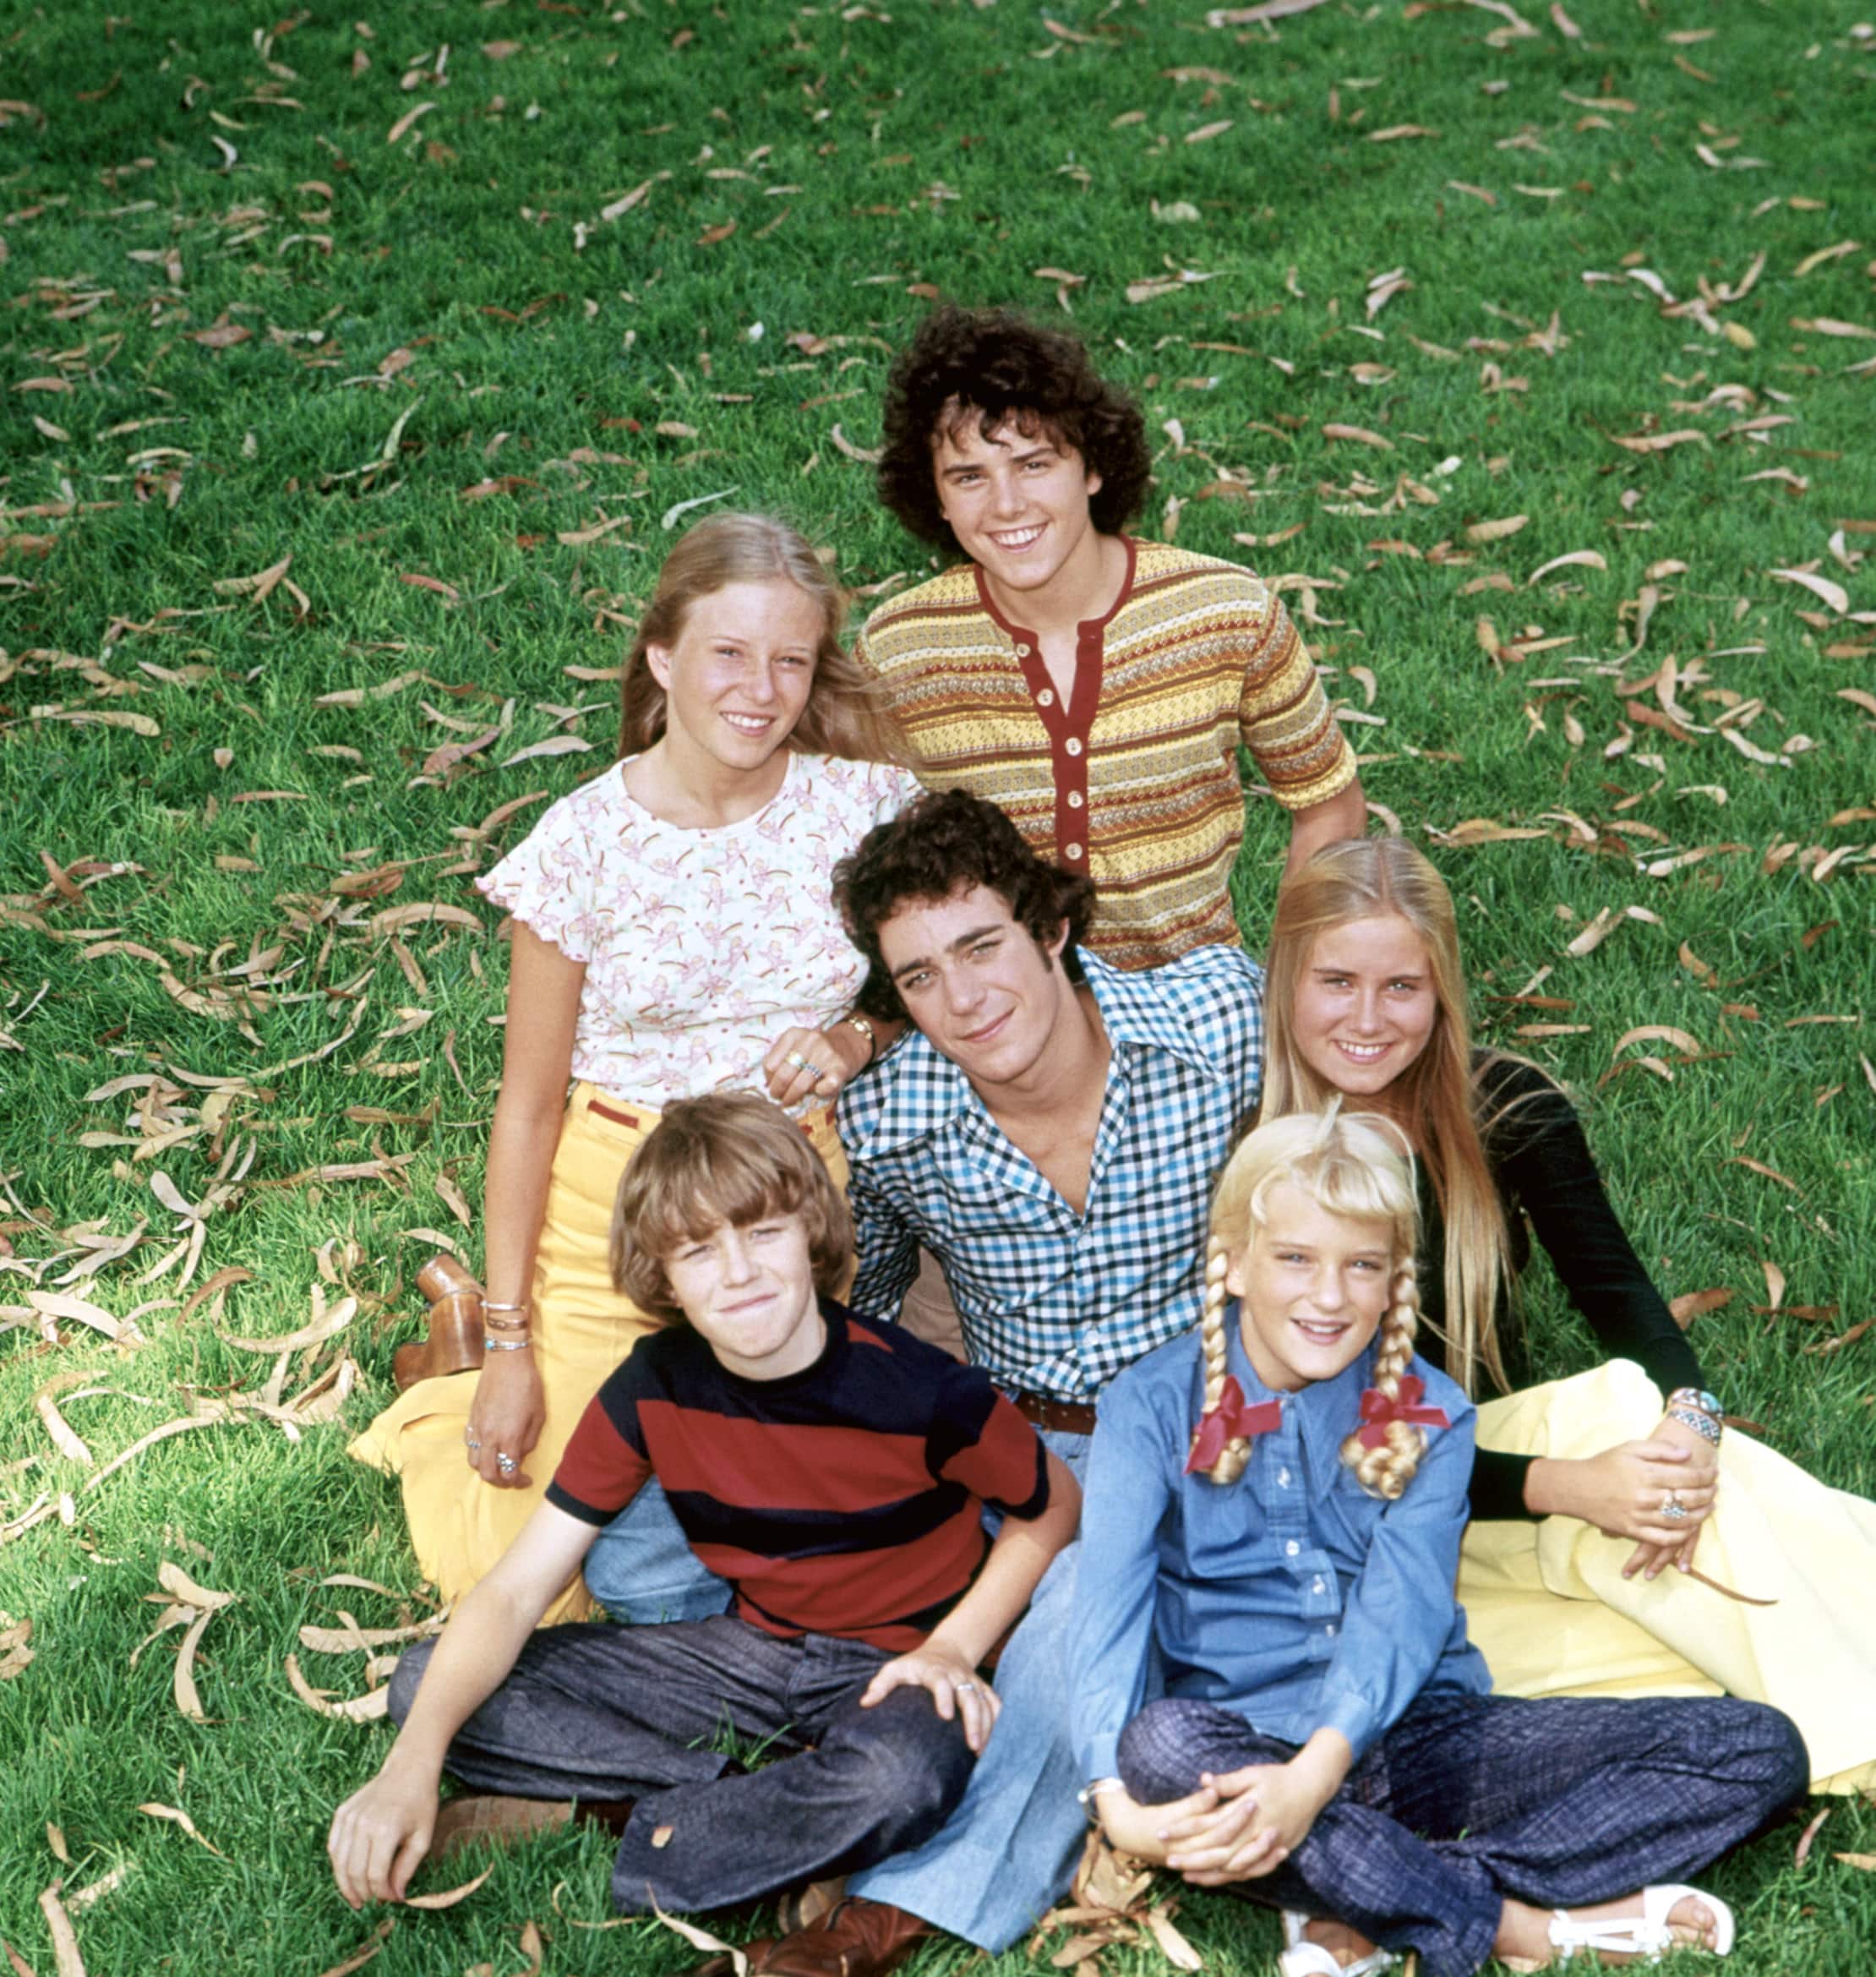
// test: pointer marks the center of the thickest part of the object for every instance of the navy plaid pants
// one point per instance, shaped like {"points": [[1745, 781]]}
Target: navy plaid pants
{"points": [[601, 1711], [1470, 1798]]}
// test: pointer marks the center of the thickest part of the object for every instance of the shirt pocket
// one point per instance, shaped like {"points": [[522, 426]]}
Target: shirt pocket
{"points": [[1225, 1527]]}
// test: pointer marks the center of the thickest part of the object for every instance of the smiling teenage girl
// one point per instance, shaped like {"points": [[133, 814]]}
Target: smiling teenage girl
{"points": [[1590, 1494], [1325, 1742], [673, 934]]}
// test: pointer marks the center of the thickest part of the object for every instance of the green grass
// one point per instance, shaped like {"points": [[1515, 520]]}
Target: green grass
{"points": [[424, 319]]}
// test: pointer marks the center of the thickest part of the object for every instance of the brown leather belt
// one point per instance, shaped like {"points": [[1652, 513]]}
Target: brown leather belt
{"points": [[1056, 1417]]}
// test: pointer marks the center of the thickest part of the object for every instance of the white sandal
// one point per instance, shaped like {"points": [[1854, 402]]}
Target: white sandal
{"points": [[1301, 1957], [1647, 1935]]}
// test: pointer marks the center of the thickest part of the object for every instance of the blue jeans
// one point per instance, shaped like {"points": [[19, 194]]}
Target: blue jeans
{"points": [[1470, 1798], [1008, 1851], [626, 1712], [642, 1567]]}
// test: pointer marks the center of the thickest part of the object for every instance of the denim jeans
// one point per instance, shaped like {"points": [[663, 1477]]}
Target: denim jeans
{"points": [[1009, 1851], [642, 1567], [1470, 1798], [602, 1711]]}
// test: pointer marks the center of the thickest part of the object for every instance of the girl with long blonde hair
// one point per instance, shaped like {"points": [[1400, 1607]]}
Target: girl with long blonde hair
{"points": [[1275, 1501], [673, 933], [1604, 1489]]}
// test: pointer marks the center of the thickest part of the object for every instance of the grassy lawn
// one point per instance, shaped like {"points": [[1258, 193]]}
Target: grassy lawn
{"points": [[353, 372]]}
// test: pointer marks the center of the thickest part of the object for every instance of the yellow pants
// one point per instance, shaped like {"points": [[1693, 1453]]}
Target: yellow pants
{"points": [[1548, 1608], [459, 1525]]}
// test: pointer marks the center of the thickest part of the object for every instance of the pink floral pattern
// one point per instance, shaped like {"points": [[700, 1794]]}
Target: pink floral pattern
{"points": [[701, 947]]}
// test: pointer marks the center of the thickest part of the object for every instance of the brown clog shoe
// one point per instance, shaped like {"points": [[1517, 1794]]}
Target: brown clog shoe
{"points": [[444, 1276], [454, 1343]]}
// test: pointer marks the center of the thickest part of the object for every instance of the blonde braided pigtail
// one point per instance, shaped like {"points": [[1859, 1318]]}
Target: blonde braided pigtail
{"points": [[1386, 1469], [1237, 1452]]}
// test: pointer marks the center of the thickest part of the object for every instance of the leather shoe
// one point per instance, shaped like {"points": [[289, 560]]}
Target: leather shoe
{"points": [[444, 1274], [859, 1938], [452, 1345]]}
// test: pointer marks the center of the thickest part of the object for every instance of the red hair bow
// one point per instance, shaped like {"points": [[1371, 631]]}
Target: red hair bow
{"points": [[1226, 1422], [1377, 1411]]}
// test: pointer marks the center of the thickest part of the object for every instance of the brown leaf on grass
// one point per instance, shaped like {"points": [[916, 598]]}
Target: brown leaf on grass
{"points": [[21, 1968], [407, 121], [360, 1709], [1588, 558], [447, 591], [178, 1817], [1834, 594], [60, 1304], [66, 1958], [555, 745], [260, 586], [1830, 326], [1484, 830], [702, 1939], [1802, 1852], [1865, 1861], [1774, 1286], [1399, 130], [223, 1280], [326, 1324], [220, 335], [1492, 531], [449, 1896], [1360, 435], [1759, 1167], [1265, 10], [1842, 1339], [1692, 1304], [63, 1440], [1173, 1945], [359, 1958], [1657, 442], [713, 236], [394, 919], [188, 1698], [869, 456], [620, 207], [1649, 1031]]}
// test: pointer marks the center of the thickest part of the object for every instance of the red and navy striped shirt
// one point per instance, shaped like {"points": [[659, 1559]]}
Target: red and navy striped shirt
{"points": [[843, 1500]]}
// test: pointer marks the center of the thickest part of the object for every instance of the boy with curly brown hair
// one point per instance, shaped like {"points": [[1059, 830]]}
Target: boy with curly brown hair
{"points": [[1094, 685]]}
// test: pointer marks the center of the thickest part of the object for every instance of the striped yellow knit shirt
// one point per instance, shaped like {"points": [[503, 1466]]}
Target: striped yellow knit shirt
{"points": [[1136, 781]]}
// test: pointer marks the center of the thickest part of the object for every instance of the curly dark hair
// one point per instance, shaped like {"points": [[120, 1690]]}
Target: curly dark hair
{"points": [[1004, 368], [940, 843]]}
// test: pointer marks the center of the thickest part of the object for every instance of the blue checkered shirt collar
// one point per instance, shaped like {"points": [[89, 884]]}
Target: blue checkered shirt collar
{"points": [[928, 1091]]}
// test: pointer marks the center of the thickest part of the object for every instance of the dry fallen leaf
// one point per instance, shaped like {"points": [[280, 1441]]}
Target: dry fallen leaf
{"points": [[1692, 1304], [1359, 433], [449, 1896], [179, 1818], [1834, 594], [359, 1958], [58, 1925]]}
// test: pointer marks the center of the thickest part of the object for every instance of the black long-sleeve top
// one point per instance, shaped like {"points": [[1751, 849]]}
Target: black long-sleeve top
{"points": [[1549, 1187]]}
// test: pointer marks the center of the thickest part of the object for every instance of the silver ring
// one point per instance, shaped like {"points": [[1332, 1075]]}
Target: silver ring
{"points": [[799, 1062], [472, 1443], [961, 1687], [506, 1464], [1673, 1510]]}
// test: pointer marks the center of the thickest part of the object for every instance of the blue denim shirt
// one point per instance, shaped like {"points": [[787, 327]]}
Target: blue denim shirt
{"points": [[1291, 1596]]}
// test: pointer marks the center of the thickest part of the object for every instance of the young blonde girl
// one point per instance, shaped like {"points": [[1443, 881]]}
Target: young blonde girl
{"points": [[1327, 1742], [1614, 1516], [673, 934]]}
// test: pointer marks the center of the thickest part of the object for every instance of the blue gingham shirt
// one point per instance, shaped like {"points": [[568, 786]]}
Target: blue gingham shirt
{"points": [[1291, 1595], [1053, 1301]]}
